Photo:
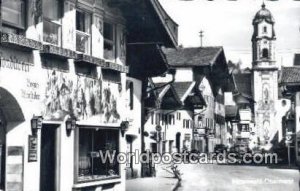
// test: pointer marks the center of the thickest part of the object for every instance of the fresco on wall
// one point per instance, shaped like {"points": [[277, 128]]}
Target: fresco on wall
{"points": [[85, 98]]}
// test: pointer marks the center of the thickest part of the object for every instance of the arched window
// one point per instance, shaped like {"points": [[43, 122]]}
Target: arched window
{"points": [[265, 53]]}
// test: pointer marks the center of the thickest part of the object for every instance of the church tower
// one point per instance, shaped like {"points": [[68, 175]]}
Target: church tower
{"points": [[264, 76]]}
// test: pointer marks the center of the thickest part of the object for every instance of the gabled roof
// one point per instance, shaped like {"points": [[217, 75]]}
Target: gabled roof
{"points": [[243, 83], [290, 75], [167, 96], [194, 56], [181, 88]]}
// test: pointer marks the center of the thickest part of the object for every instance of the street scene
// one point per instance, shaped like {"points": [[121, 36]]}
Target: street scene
{"points": [[115, 95]]}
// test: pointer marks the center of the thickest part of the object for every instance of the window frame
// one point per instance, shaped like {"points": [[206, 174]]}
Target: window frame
{"points": [[57, 22], [87, 17], [13, 26], [77, 155], [112, 42]]}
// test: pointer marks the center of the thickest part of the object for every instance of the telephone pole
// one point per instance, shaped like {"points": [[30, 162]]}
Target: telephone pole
{"points": [[201, 37]]}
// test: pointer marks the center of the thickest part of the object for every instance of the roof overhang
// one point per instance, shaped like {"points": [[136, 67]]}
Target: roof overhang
{"points": [[146, 60], [151, 18]]}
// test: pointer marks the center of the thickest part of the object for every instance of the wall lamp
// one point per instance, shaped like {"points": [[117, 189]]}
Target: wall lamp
{"points": [[36, 124], [124, 127], [70, 124]]}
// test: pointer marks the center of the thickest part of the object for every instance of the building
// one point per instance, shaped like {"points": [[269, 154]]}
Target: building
{"points": [[239, 109], [67, 92], [289, 85], [207, 67], [174, 117]]}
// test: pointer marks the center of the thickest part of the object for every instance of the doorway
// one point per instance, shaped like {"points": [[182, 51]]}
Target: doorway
{"points": [[178, 135], [48, 158], [2, 150]]}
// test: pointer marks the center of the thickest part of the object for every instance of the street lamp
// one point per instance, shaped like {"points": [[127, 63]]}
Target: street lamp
{"points": [[70, 124], [36, 124]]}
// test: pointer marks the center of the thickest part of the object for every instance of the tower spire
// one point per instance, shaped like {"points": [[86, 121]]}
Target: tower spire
{"points": [[263, 4]]}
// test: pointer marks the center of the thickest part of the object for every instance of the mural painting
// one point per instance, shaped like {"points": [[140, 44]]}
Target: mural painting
{"points": [[83, 98]]}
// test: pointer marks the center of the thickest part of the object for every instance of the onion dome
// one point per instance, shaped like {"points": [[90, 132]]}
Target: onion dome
{"points": [[263, 14]]}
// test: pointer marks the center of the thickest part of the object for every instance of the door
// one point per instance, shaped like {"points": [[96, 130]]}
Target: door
{"points": [[178, 135], [48, 158]]}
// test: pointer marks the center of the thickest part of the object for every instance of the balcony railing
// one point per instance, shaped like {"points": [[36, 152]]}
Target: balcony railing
{"points": [[20, 41], [82, 42]]}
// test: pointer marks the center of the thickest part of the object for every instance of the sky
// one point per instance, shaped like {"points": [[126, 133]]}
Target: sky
{"points": [[229, 24]]}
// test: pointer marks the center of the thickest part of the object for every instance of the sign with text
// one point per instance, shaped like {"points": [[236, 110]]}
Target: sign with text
{"points": [[32, 148]]}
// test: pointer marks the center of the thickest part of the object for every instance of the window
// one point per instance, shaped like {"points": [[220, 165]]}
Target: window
{"points": [[265, 29], [52, 26], [183, 123], [83, 27], [91, 141], [178, 116], [13, 16], [187, 123], [109, 41], [265, 53]]}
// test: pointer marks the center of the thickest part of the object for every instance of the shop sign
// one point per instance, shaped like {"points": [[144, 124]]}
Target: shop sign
{"points": [[32, 148]]}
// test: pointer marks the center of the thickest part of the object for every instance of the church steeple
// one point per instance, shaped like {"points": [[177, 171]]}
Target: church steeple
{"points": [[263, 39], [264, 74]]}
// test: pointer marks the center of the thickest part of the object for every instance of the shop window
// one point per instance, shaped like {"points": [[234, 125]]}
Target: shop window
{"points": [[90, 165], [109, 41], [83, 25], [13, 16], [52, 25]]}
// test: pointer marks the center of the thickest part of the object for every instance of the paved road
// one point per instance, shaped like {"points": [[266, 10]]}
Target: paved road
{"points": [[213, 177]]}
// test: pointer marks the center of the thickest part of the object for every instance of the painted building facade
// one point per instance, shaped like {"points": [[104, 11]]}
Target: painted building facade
{"points": [[66, 94]]}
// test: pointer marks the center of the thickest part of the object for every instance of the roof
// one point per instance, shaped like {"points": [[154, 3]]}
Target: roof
{"points": [[181, 88], [263, 14], [151, 18], [243, 83], [160, 87], [297, 60], [290, 75], [193, 56]]}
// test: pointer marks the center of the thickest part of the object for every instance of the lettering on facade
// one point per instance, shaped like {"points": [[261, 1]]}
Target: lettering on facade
{"points": [[31, 91], [15, 65]]}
